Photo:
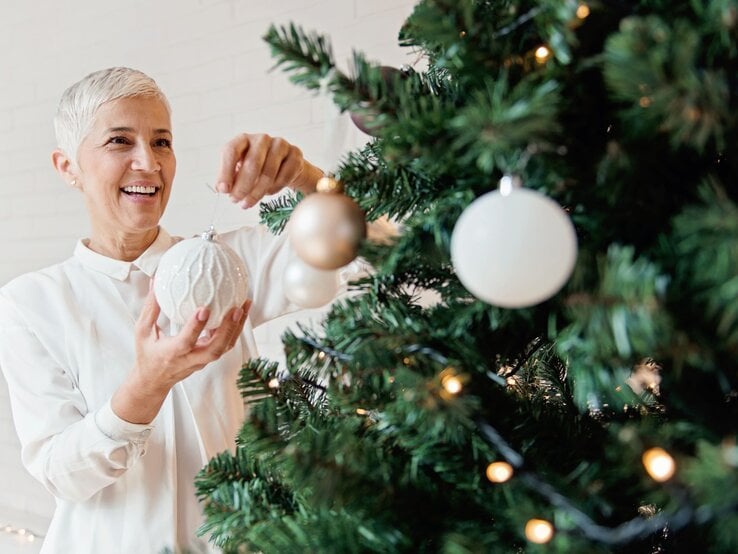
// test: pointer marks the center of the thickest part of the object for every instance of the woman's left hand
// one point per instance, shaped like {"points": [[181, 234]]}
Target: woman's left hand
{"points": [[254, 165]]}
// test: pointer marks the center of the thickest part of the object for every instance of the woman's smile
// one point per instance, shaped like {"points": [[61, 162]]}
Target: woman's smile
{"points": [[125, 169]]}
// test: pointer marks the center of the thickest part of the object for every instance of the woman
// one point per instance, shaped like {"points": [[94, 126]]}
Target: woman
{"points": [[115, 417]]}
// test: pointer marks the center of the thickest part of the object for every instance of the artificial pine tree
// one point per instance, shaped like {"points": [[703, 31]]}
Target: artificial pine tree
{"points": [[382, 436]]}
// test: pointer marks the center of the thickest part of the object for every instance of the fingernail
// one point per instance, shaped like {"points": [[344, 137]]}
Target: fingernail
{"points": [[245, 204], [203, 314], [221, 187], [237, 314]]}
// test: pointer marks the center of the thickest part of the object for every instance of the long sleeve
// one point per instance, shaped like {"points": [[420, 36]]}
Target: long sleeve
{"points": [[266, 255], [73, 451]]}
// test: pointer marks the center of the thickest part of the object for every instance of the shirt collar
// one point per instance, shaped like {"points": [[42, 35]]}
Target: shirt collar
{"points": [[119, 269]]}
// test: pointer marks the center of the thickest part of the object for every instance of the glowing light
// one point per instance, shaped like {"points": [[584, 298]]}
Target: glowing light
{"points": [[452, 384], [499, 472], [20, 533], [542, 54], [539, 531], [321, 355], [274, 383], [659, 464], [644, 102], [361, 411], [582, 11]]}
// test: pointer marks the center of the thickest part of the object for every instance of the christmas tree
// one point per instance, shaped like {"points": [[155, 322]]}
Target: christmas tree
{"points": [[581, 395]]}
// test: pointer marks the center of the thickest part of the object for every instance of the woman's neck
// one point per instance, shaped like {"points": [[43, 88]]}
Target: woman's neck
{"points": [[125, 247]]}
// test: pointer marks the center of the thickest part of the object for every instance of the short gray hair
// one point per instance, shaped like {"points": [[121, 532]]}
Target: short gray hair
{"points": [[80, 102]]}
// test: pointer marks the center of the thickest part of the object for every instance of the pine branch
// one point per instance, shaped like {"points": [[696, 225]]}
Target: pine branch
{"points": [[276, 213]]}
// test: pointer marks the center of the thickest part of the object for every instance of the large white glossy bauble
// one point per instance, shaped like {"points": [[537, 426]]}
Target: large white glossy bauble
{"points": [[513, 250], [200, 272], [307, 286]]}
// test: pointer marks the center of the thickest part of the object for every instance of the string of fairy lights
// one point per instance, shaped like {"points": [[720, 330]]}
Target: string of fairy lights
{"points": [[21, 534]]}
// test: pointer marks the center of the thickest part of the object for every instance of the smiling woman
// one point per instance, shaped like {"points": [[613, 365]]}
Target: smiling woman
{"points": [[130, 412], [125, 167]]}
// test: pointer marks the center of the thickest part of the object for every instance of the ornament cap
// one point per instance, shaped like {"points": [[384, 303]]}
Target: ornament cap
{"points": [[209, 234], [329, 184]]}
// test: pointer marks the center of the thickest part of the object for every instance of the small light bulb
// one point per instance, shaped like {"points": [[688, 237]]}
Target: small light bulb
{"points": [[361, 411], [659, 464], [452, 384], [321, 355], [31, 538], [582, 11], [542, 54], [21, 531], [8, 529], [274, 383], [499, 472], [539, 531]]}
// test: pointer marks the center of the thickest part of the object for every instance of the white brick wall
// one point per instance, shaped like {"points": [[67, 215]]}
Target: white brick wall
{"points": [[209, 58]]}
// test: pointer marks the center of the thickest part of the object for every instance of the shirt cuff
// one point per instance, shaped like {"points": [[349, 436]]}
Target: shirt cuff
{"points": [[119, 429]]}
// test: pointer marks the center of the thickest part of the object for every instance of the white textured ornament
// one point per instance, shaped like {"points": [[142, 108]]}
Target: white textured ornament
{"points": [[307, 286], [513, 250], [200, 272]]}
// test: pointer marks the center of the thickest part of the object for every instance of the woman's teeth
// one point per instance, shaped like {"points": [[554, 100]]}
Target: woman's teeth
{"points": [[139, 190]]}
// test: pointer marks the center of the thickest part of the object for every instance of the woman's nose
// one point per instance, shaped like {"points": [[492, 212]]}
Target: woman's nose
{"points": [[144, 159]]}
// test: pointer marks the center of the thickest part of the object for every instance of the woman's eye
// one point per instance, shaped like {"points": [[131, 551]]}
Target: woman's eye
{"points": [[117, 140]]}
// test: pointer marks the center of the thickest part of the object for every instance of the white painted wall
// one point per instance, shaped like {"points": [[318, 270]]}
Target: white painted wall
{"points": [[208, 57]]}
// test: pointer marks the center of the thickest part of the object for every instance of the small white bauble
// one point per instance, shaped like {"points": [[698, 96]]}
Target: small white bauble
{"points": [[200, 272], [307, 286], [513, 250]]}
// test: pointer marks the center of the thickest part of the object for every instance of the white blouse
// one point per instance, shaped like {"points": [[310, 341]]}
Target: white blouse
{"points": [[66, 344]]}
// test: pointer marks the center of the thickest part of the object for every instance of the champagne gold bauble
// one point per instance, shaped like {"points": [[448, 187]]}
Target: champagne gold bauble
{"points": [[327, 227]]}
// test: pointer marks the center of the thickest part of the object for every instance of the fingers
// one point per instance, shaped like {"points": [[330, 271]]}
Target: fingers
{"points": [[240, 323], [223, 338], [230, 159], [188, 336], [253, 166], [292, 167], [260, 172]]}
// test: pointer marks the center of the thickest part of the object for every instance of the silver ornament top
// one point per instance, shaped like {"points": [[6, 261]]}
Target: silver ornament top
{"points": [[209, 234]]}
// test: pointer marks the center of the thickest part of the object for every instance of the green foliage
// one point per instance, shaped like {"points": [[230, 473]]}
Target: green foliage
{"points": [[613, 326], [359, 444]]}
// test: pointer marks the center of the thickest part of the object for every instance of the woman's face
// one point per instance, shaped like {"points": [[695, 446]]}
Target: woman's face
{"points": [[126, 165]]}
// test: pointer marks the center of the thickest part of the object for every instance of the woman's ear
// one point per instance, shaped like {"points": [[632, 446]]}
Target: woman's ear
{"points": [[65, 168]]}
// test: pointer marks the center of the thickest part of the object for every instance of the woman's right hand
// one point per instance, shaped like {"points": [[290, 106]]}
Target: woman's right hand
{"points": [[163, 361]]}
